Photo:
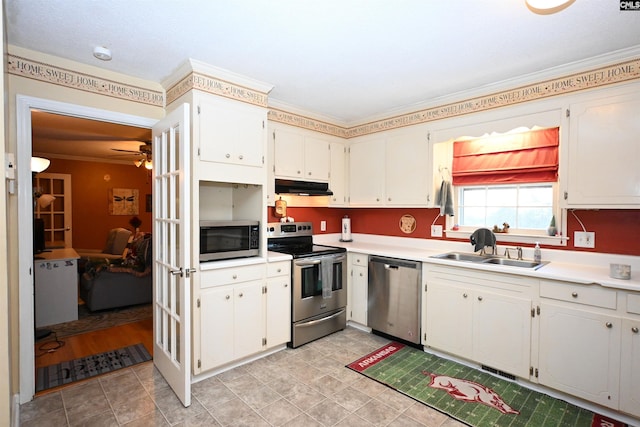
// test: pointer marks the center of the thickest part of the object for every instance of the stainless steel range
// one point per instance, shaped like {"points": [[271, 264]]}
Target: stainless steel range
{"points": [[318, 281]]}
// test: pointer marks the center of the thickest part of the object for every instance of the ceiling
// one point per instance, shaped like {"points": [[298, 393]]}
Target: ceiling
{"points": [[347, 61]]}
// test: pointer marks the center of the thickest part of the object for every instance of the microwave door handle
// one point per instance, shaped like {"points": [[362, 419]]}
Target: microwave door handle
{"points": [[312, 262]]}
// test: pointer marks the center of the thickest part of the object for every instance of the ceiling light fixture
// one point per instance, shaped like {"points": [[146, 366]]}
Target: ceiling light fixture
{"points": [[547, 7], [148, 164], [38, 164], [102, 53]]}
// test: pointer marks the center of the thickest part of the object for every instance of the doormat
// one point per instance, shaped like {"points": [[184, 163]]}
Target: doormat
{"points": [[467, 394], [86, 367]]}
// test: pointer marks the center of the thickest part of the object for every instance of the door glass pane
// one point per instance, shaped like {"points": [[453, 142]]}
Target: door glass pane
{"points": [[311, 285], [177, 353], [170, 327]]}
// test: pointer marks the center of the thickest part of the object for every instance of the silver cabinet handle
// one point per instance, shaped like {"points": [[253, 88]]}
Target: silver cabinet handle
{"points": [[464, 295], [479, 298], [227, 155], [227, 297], [609, 325], [240, 295], [241, 157], [235, 276], [634, 329], [574, 294], [279, 270]]}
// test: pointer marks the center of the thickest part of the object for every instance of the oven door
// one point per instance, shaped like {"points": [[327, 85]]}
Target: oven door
{"points": [[309, 300]]}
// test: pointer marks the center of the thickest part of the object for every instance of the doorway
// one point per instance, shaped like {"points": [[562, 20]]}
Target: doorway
{"points": [[25, 106]]}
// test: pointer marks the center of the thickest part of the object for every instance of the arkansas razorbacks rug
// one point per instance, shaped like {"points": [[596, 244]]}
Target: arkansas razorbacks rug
{"points": [[469, 395]]}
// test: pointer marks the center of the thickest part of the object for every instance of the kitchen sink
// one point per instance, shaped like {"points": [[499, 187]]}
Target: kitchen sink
{"points": [[489, 259], [459, 256]]}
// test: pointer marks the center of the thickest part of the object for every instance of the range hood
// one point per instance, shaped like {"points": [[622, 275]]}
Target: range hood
{"points": [[302, 188]]}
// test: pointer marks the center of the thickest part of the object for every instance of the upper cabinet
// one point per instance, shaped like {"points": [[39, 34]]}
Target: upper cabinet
{"points": [[338, 174], [601, 165], [230, 134], [298, 155], [395, 170]]}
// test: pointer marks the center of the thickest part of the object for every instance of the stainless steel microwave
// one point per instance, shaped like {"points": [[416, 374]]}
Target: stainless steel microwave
{"points": [[229, 239]]}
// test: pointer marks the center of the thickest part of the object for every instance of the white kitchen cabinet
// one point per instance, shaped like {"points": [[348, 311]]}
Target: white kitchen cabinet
{"points": [[392, 171], [485, 318], [408, 170], [300, 156], [278, 303], [358, 291], [230, 140], [630, 367], [338, 174], [366, 172], [579, 347], [603, 152]]}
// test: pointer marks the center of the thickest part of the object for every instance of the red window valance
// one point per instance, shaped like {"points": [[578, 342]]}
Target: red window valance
{"points": [[509, 158]]}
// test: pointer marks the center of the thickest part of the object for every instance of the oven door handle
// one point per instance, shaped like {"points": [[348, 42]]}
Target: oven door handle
{"points": [[312, 262], [324, 319]]}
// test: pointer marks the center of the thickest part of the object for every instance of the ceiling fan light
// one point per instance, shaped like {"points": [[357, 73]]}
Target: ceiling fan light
{"points": [[148, 164], [138, 163], [547, 7], [38, 164]]}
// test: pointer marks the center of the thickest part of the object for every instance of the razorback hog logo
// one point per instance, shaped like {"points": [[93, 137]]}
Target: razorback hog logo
{"points": [[469, 391]]}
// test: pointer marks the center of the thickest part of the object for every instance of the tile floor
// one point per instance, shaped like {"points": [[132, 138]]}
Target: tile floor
{"points": [[308, 386]]}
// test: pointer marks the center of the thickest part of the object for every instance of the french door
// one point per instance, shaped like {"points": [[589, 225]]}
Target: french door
{"points": [[172, 251], [53, 204]]}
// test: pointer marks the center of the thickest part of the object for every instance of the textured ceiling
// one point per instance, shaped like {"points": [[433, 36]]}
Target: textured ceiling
{"points": [[345, 60]]}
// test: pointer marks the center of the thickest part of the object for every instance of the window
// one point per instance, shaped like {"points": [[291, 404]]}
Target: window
{"points": [[525, 207]]}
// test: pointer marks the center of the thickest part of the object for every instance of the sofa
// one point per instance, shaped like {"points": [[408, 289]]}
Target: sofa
{"points": [[114, 247], [112, 283]]}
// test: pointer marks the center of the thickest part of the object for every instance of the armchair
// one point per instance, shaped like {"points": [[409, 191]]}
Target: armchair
{"points": [[114, 247]]}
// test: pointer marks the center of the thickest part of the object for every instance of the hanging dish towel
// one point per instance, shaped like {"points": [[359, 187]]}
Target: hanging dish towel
{"points": [[445, 199], [326, 278]]}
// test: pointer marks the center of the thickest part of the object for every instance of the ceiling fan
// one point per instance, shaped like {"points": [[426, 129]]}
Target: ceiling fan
{"points": [[144, 151]]}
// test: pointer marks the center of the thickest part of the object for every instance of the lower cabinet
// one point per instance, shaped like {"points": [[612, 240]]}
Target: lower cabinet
{"points": [[580, 341], [479, 317], [241, 311], [358, 287], [630, 367]]}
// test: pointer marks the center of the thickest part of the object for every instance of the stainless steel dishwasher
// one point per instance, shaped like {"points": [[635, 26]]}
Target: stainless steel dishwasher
{"points": [[394, 297]]}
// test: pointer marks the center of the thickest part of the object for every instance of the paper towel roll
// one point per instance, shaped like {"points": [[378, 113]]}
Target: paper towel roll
{"points": [[346, 230]]}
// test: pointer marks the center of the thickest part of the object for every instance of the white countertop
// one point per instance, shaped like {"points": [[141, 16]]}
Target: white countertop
{"points": [[56, 255], [572, 266]]}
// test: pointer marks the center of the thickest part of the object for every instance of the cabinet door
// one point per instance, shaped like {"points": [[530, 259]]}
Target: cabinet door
{"points": [[288, 154], [359, 293], [316, 159], [278, 311], [408, 170], [604, 151], [580, 353], [502, 332], [366, 173], [248, 318], [630, 369], [217, 327], [231, 132], [337, 174], [449, 313]]}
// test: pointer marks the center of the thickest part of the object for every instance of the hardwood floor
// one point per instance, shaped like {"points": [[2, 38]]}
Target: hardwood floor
{"points": [[93, 342]]}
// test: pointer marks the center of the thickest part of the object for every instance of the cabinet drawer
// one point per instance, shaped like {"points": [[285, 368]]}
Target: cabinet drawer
{"points": [[633, 303], [581, 294], [227, 276], [275, 269], [359, 259]]}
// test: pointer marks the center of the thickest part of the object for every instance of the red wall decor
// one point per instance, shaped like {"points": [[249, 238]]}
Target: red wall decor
{"points": [[90, 184]]}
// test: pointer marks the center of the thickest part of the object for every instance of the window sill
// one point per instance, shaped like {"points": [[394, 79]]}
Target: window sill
{"points": [[514, 238]]}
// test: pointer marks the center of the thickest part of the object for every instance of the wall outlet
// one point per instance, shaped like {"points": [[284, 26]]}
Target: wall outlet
{"points": [[584, 239], [323, 225], [436, 231]]}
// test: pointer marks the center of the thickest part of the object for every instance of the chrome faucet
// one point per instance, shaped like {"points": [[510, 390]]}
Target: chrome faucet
{"points": [[518, 250]]}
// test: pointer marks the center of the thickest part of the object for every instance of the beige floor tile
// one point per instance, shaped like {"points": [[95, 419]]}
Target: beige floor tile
{"points": [[328, 412], [279, 412]]}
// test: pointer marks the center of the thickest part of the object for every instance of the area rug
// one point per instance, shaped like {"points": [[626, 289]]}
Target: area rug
{"points": [[469, 395], [93, 321], [90, 366]]}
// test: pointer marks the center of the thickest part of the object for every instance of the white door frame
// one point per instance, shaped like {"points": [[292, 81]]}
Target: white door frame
{"points": [[24, 105]]}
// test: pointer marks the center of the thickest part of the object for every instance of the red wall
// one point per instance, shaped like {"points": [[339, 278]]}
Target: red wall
{"points": [[617, 231], [91, 220]]}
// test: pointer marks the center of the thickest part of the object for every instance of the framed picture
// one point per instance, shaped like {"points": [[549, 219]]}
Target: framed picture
{"points": [[123, 201]]}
